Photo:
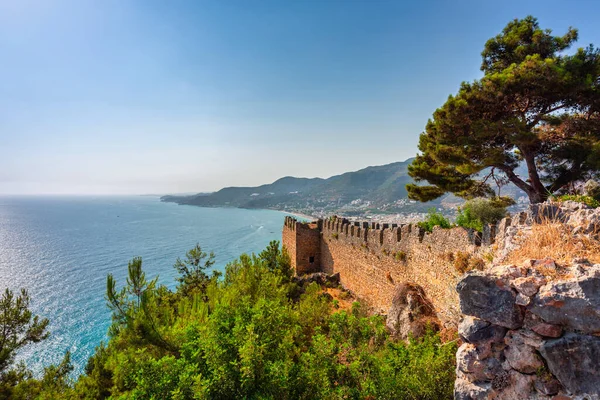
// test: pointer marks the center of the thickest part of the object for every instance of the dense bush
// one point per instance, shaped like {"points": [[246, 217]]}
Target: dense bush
{"points": [[252, 333], [434, 218], [477, 213]]}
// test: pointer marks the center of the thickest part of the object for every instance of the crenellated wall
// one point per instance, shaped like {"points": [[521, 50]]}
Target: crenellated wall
{"points": [[373, 258]]}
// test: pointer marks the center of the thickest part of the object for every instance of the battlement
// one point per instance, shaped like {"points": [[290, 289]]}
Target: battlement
{"points": [[373, 257]]}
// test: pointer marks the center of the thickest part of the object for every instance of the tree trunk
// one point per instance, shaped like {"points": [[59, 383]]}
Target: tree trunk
{"points": [[538, 193], [537, 197]]}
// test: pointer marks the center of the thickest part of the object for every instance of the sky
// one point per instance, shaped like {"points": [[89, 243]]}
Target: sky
{"points": [[149, 96]]}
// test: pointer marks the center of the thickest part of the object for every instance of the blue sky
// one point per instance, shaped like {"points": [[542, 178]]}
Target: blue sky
{"points": [[120, 96]]}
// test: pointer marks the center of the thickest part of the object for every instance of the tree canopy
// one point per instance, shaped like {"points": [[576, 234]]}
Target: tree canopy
{"points": [[535, 106]]}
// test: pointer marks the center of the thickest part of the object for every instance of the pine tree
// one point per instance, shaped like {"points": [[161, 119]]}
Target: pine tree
{"points": [[534, 105]]}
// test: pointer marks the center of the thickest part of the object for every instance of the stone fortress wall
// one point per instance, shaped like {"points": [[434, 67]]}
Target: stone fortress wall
{"points": [[373, 258]]}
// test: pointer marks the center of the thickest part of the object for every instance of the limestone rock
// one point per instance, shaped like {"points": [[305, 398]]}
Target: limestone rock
{"points": [[528, 286], [541, 212], [319, 277], [547, 330], [486, 297], [575, 361], [547, 386], [573, 303], [522, 300], [466, 390], [406, 314], [521, 356], [469, 357], [520, 386], [475, 330]]}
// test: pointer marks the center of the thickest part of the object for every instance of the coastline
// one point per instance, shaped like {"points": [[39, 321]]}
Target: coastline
{"points": [[299, 215], [293, 213]]}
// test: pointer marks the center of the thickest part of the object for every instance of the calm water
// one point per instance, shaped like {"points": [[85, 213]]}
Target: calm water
{"points": [[62, 248]]}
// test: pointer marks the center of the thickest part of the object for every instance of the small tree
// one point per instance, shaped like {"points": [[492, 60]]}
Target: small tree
{"points": [[477, 213], [434, 219], [534, 106], [18, 328], [192, 275], [276, 259], [136, 307]]}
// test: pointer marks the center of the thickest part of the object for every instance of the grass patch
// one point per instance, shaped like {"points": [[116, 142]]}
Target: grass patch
{"points": [[556, 240]]}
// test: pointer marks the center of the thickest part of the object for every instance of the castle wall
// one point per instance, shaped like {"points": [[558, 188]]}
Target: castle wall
{"points": [[373, 258]]}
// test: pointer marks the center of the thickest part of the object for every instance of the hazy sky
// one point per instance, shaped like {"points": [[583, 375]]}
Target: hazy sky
{"points": [[119, 96]]}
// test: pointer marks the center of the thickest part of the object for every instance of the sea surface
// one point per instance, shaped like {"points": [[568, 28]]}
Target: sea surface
{"points": [[62, 248]]}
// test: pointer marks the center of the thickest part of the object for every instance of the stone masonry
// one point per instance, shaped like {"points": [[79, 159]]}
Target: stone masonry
{"points": [[530, 334], [372, 259]]}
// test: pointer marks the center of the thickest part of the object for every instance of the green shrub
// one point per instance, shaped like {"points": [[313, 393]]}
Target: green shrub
{"points": [[477, 213], [587, 200], [434, 218]]}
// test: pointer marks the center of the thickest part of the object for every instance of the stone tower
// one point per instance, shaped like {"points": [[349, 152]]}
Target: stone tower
{"points": [[303, 243]]}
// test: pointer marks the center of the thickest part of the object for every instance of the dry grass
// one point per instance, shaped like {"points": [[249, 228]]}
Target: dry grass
{"points": [[557, 241], [344, 298]]}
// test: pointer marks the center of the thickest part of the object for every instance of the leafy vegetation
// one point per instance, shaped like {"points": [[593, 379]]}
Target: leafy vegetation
{"points": [[534, 106], [477, 213], [251, 333], [579, 198], [434, 218]]}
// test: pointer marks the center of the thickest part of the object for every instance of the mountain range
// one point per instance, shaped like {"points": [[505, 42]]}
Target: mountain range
{"points": [[372, 189]]}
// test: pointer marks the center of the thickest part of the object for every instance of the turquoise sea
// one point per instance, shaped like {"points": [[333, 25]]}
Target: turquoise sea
{"points": [[62, 248]]}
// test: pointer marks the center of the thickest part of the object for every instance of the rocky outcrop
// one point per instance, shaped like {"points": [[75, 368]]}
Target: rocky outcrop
{"points": [[410, 313], [530, 336]]}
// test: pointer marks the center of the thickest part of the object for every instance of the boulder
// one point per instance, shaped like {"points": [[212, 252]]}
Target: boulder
{"points": [[475, 330], [574, 360], [542, 212], [489, 298], [409, 311], [319, 277], [574, 303]]}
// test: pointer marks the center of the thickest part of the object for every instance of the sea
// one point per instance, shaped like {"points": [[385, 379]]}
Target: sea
{"points": [[62, 248]]}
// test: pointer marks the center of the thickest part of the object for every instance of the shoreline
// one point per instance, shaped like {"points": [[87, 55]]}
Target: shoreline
{"points": [[293, 213], [299, 215]]}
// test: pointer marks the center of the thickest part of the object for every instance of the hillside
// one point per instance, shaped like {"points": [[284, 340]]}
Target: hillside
{"points": [[371, 187], [379, 189]]}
